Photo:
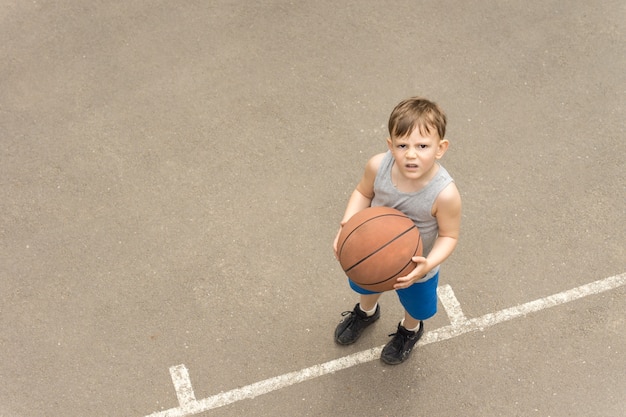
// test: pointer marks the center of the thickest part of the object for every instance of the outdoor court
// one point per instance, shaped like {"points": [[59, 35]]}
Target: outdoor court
{"points": [[172, 176]]}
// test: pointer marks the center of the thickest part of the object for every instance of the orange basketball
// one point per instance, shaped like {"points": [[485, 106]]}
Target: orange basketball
{"points": [[376, 246]]}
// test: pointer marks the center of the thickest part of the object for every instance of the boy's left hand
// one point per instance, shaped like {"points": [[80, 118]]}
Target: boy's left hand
{"points": [[421, 269]]}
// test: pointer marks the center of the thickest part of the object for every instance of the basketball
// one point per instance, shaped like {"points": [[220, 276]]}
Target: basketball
{"points": [[375, 247]]}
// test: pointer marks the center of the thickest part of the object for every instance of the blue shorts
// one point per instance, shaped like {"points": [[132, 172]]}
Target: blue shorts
{"points": [[419, 300]]}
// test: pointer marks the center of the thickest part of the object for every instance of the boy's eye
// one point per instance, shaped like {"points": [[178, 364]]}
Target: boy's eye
{"points": [[423, 146]]}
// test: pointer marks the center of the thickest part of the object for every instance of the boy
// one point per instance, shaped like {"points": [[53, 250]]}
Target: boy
{"points": [[408, 178]]}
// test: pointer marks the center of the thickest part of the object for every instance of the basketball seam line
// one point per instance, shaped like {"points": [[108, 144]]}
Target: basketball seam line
{"points": [[357, 228], [419, 243], [382, 247]]}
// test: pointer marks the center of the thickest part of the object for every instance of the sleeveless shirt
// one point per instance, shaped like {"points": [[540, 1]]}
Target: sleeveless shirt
{"points": [[417, 205]]}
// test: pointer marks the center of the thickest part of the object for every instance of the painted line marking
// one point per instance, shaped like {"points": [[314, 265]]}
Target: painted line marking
{"points": [[182, 385], [189, 405], [451, 305]]}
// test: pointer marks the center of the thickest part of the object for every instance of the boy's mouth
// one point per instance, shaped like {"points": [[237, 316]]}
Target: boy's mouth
{"points": [[411, 166]]}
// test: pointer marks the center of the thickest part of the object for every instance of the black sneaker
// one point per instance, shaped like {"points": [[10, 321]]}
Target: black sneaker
{"points": [[399, 348], [352, 325]]}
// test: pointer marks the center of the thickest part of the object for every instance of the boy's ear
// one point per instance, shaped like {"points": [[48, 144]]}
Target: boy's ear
{"points": [[443, 147], [390, 144]]}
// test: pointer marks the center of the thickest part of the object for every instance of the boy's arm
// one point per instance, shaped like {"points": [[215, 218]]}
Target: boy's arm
{"points": [[361, 197], [447, 210]]}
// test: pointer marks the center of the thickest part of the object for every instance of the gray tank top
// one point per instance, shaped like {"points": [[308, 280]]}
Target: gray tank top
{"points": [[417, 205]]}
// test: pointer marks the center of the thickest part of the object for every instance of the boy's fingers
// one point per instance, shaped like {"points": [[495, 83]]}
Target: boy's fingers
{"points": [[399, 284]]}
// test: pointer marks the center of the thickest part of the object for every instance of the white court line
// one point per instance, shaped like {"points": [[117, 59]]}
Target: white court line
{"points": [[451, 305], [189, 405], [182, 385]]}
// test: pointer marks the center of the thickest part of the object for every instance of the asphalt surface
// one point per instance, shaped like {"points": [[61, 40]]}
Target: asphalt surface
{"points": [[172, 175]]}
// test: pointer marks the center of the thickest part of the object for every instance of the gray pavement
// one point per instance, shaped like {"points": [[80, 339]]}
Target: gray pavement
{"points": [[172, 175]]}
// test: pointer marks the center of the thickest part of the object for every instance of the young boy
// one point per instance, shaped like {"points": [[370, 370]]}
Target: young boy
{"points": [[408, 178]]}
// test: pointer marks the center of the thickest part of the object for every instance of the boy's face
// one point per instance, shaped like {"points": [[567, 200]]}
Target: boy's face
{"points": [[416, 154]]}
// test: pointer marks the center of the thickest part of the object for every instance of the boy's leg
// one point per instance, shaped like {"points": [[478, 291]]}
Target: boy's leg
{"points": [[409, 322], [369, 302], [420, 303], [366, 312]]}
